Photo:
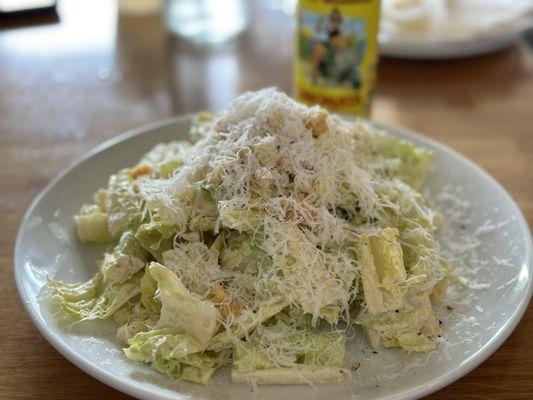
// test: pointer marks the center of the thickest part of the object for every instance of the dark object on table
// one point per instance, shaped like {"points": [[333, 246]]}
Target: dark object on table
{"points": [[15, 7], [22, 13]]}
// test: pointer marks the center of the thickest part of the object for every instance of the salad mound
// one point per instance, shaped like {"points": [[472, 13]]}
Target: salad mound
{"points": [[261, 241]]}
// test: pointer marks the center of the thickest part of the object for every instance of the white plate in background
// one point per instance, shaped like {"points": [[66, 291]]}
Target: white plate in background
{"points": [[501, 284], [440, 29]]}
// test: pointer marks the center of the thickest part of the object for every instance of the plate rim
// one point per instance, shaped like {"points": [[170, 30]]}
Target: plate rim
{"points": [[443, 48], [138, 389]]}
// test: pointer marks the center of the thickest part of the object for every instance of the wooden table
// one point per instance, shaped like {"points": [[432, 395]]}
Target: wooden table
{"points": [[66, 86]]}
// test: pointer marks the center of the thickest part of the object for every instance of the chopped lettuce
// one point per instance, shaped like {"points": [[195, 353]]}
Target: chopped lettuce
{"points": [[237, 253], [411, 327], [94, 299], [246, 323], [304, 269], [92, 225], [182, 310], [382, 270], [293, 354], [205, 211], [235, 217], [174, 354], [195, 263], [132, 319], [149, 297], [123, 203], [425, 269], [155, 238], [412, 162], [126, 259], [165, 158]]}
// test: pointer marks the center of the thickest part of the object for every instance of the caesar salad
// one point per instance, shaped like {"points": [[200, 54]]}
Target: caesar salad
{"points": [[262, 244]]}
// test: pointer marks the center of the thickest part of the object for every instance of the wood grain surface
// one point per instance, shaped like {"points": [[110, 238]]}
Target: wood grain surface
{"points": [[69, 83]]}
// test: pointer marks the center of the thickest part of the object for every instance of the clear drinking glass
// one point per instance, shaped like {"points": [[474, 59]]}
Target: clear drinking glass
{"points": [[207, 21]]}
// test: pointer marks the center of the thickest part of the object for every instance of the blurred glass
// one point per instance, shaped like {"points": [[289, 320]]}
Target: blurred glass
{"points": [[207, 21]]}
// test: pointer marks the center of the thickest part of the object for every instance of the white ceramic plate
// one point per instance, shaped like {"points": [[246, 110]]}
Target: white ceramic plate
{"points": [[422, 48], [499, 272], [452, 29]]}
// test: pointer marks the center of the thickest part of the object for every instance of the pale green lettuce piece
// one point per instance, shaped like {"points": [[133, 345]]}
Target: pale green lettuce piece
{"points": [[309, 276], [165, 158], [284, 354], [92, 225], [196, 264], [235, 217], [204, 211], [411, 327], [286, 345], [155, 238], [237, 253], [123, 204], [149, 292], [422, 262], [246, 323], [174, 354], [126, 259], [94, 299], [382, 270], [128, 244], [182, 310], [330, 314], [132, 319], [119, 268], [413, 162]]}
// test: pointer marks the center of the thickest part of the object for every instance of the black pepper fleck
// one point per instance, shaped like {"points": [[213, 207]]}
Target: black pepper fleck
{"points": [[449, 308]]}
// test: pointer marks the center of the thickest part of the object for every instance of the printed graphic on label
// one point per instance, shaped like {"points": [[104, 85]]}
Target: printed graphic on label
{"points": [[331, 48]]}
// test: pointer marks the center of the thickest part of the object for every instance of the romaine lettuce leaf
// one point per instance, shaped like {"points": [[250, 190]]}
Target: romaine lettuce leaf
{"points": [[174, 354], [155, 238], [123, 203], [126, 259], [94, 299], [382, 270], [286, 345], [132, 319], [410, 327], [280, 348], [196, 264], [182, 310], [165, 158], [92, 225], [237, 253], [413, 162], [204, 211], [149, 292], [234, 217], [309, 277], [246, 323]]}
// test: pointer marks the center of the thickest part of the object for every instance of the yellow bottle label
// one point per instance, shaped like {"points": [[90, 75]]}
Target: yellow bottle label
{"points": [[336, 54]]}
